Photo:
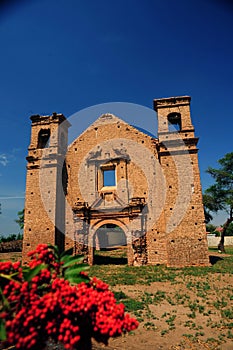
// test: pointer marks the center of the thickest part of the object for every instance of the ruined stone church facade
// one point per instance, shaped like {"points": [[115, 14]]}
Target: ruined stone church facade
{"points": [[117, 185]]}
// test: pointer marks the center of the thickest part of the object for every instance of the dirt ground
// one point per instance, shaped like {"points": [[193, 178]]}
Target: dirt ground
{"points": [[192, 312], [182, 318]]}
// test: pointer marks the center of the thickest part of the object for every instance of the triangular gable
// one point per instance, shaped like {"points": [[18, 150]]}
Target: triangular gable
{"points": [[106, 118]]}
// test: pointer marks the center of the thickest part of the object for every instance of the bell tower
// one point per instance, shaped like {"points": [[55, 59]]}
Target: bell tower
{"points": [[174, 116], [184, 223], [45, 199]]}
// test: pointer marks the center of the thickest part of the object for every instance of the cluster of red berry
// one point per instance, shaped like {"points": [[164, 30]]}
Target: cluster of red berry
{"points": [[49, 307], [43, 255]]}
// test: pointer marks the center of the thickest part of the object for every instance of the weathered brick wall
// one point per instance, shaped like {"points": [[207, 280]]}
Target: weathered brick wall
{"points": [[44, 203], [183, 212], [163, 224], [104, 141], [95, 137]]}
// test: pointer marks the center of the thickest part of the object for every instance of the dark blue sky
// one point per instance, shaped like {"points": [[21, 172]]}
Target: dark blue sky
{"points": [[66, 55]]}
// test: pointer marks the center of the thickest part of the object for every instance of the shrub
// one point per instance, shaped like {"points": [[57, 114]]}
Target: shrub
{"points": [[53, 298]]}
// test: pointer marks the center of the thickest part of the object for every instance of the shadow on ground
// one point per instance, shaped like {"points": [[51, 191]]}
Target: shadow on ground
{"points": [[214, 259], [111, 256], [109, 260]]}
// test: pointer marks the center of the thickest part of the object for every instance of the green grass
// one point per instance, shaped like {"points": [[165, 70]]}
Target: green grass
{"points": [[228, 313], [131, 305], [129, 275], [229, 250]]}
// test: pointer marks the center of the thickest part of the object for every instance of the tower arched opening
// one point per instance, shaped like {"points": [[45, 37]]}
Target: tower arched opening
{"points": [[174, 121], [43, 138]]}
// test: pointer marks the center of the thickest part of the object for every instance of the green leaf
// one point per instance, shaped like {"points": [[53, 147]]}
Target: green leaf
{"points": [[5, 302], [55, 249], [71, 260], [66, 252], [30, 273], [75, 270], [2, 330], [77, 279]]}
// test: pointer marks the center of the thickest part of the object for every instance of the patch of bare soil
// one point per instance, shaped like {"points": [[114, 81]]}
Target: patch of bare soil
{"points": [[11, 256], [192, 313]]}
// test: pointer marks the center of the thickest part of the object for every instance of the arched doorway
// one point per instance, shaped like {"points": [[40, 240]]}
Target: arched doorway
{"points": [[109, 236], [110, 245]]}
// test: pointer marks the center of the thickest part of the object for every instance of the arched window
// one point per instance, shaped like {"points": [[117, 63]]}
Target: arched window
{"points": [[43, 138], [174, 122]]}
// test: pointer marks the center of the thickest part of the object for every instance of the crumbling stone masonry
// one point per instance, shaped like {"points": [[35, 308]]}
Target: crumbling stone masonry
{"points": [[116, 185]]}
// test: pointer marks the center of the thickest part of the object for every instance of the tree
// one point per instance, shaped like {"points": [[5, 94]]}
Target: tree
{"points": [[219, 196], [210, 228], [229, 231], [20, 220], [209, 205]]}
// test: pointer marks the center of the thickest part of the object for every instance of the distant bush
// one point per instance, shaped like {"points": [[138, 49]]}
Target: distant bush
{"points": [[210, 228], [11, 237]]}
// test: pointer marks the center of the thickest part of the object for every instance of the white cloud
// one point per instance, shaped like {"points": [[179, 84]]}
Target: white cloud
{"points": [[3, 159], [9, 157]]}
